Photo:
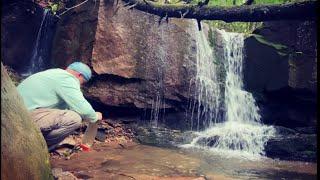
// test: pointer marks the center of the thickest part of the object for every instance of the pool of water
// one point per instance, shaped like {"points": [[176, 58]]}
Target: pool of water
{"points": [[137, 161]]}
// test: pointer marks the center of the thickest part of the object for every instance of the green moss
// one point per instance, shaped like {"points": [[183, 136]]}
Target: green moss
{"points": [[211, 37], [262, 40], [281, 49], [240, 27]]}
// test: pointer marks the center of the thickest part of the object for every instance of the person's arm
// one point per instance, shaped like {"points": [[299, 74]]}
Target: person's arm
{"points": [[73, 97]]}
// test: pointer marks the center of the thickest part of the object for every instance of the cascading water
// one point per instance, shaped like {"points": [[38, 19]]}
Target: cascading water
{"points": [[158, 106], [241, 133], [206, 85], [40, 57]]}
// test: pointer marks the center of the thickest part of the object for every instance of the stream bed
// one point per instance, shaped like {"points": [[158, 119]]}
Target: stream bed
{"points": [[136, 161]]}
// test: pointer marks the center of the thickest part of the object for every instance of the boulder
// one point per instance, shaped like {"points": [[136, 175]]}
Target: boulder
{"points": [[24, 153], [264, 67], [276, 61], [139, 63], [280, 70]]}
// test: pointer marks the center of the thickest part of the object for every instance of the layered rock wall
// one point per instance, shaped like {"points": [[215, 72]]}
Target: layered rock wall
{"points": [[137, 60]]}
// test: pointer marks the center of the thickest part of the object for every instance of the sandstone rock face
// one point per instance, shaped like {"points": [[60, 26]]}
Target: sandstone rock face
{"points": [[139, 62], [75, 34]]}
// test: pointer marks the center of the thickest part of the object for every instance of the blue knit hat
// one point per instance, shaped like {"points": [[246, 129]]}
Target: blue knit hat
{"points": [[81, 68]]}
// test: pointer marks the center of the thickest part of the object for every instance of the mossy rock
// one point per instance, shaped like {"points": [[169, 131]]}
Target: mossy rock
{"points": [[24, 153]]}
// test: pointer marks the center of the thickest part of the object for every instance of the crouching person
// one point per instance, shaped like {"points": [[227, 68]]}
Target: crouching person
{"points": [[56, 103]]}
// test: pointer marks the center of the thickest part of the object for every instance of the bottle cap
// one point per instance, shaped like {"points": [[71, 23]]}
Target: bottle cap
{"points": [[85, 147]]}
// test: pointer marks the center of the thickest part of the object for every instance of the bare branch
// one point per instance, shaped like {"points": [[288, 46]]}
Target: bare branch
{"points": [[185, 13], [126, 4], [68, 9], [132, 6]]}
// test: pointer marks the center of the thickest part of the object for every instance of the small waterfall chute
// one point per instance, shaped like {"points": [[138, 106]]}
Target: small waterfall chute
{"points": [[40, 57], [158, 103], [206, 86]]}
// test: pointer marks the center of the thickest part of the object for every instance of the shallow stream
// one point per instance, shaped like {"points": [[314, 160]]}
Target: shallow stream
{"points": [[148, 162]]}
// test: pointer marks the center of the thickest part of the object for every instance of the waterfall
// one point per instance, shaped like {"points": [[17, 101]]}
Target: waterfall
{"points": [[40, 57], [158, 103], [240, 131], [206, 85]]}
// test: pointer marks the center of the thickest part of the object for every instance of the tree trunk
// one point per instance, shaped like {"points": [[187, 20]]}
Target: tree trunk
{"points": [[305, 10], [24, 154]]}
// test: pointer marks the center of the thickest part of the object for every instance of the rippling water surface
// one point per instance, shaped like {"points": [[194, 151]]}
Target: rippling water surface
{"points": [[148, 162]]}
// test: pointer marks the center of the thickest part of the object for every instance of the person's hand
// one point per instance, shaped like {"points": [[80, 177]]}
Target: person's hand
{"points": [[99, 116]]}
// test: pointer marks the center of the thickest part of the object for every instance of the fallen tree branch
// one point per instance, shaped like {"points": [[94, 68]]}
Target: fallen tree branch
{"points": [[305, 10]]}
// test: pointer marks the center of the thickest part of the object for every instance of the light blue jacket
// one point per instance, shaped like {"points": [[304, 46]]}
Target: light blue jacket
{"points": [[57, 89]]}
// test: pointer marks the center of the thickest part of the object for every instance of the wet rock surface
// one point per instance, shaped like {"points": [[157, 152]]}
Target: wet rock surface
{"points": [[295, 145], [289, 108], [162, 137]]}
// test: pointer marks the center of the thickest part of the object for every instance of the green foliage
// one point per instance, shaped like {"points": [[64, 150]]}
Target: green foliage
{"points": [[240, 27], [53, 6], [282, 50]]}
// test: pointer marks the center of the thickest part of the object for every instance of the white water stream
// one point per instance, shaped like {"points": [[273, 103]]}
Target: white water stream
{"points": [[241, 133], [158, 103], [40, 57], [206, 85]]}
